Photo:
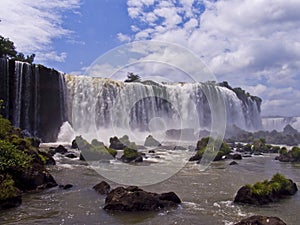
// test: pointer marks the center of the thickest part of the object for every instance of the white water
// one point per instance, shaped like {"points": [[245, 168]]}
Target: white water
{"points": [[278, 123], [100, 107]]}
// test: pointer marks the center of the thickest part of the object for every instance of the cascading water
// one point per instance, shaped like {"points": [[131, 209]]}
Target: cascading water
{"points": [[278, 123], [38, 99], [33, 98], [95, 104]]}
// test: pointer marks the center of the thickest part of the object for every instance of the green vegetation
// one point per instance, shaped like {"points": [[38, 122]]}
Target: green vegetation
{"points": [[277, 184], [5, 128], [7, 188], [12, 158], [295, 152], [94, 151], [131, 77], [8, 50], [203, 143]]}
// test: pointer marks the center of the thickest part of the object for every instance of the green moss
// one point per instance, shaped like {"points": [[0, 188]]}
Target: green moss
{"points": [[97, 148], [5, 128], [12, 158], [7, 188], [130, 153]]}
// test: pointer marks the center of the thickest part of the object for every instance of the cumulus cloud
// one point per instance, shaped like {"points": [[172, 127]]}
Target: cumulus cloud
{"points": [[32, 25], [253, 44]]}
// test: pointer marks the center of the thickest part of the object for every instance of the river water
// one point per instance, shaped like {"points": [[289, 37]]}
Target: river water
{"points": [[207, 196]]}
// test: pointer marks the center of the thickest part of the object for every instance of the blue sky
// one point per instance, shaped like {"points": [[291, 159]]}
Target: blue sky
{"points": [[252, 44]]}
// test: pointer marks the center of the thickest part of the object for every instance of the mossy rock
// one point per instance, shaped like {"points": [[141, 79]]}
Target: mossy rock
{"points": [[10, 196], [96, 152], [266, 191]]}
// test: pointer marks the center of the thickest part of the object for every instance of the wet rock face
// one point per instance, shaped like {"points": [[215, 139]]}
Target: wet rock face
{"points": [[102, 188], [261, 220], [135, 199]]}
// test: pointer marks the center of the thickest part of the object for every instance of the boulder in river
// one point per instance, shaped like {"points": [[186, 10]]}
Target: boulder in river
{"points": [[133, 198], [102, 188], [266, 192], [151, 141], [261, 220]]}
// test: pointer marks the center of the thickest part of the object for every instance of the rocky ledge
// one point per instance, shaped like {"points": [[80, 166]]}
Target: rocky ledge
{"points": [[133, 198]]}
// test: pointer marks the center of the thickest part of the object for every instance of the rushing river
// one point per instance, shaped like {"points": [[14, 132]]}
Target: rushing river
{"points": [[207, 196]]}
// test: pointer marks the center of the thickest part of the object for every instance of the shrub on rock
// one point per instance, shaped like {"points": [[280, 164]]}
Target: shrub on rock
{"points": [[267, 191]]}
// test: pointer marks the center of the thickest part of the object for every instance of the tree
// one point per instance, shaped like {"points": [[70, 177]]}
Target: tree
{"points": [[131, 77], [8, 50]]}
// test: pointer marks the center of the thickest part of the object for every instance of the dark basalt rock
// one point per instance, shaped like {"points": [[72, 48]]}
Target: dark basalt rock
{"points": [[71, 155], [74, 144], [115, 143], [261, 220], [233, 163], [102, 188], [66, 186], [235, 156], [33, 179], [151, 151], [151, 141], [135, 199], [61, 149], [11, 202]]}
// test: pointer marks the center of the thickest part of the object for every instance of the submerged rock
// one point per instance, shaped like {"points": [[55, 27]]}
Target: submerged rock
{"points": [[102, 188], [61, 149], [261, 220], [133, 198], [233, 163]]}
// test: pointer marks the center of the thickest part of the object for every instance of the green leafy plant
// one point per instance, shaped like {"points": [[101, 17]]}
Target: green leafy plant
{"points": [[12, 158], [7, 188]]}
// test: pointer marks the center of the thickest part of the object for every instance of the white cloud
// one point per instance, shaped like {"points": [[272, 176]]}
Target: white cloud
{"points": [[32, 25], [249, 43]]}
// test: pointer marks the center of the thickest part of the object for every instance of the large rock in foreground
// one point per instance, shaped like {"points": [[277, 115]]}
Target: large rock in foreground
{"points": [[133, 198], [267, 191], [261, 220]]}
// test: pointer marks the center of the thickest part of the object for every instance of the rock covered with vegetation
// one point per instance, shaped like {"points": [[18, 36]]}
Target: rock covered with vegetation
{"points": [[131, 154], [261, 220], [133, 198], [22, 166], [119, 143], [289, 156], [96, 151], [266, 191], [202, 145]]}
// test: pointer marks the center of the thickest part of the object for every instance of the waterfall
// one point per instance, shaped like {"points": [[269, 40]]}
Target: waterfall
{"points": [[95, 104], [39, 100], [34, 98], [278, 123]]}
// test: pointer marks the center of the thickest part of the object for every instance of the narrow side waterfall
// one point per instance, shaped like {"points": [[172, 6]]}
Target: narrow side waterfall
{"points": [[95, 104], [33, 98], [278, 123]]}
